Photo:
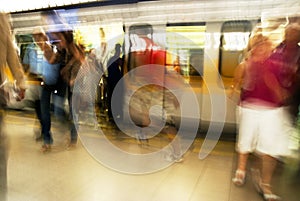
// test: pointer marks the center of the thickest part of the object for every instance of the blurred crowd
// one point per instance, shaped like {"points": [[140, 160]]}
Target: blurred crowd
{"points": [[267, 80]]}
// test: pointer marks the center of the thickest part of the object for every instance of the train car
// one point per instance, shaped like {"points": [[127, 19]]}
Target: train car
{"points": [[207, 54], [206, 46]]}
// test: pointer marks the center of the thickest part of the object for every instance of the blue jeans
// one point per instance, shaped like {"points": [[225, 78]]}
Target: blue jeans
{"points": [[73, 128], [46, 112]]}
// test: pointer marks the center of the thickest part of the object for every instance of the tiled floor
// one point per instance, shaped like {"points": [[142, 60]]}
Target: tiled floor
{"points": [[81, 175]]}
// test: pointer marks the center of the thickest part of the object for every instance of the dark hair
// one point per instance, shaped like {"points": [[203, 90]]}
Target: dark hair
{"points": [[69, 36]]}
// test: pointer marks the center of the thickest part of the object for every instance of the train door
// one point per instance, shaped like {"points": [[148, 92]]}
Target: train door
{"points": [[185, 43], [233, 41], [176, 55]]}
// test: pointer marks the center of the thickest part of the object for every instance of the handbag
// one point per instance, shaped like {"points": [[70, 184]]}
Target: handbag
{"points": [[9, 92]]}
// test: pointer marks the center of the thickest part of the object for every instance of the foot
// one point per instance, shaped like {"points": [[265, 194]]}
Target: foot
{"points": [[72, 145], [239, 178], [142, 140], [266, 191], [46, 148], [173, 158], [179, 160]]}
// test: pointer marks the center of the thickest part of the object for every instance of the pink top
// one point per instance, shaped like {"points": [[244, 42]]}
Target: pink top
{"points": [[255, 90]]}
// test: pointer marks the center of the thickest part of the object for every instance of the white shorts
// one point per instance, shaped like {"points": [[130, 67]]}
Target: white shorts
{"points": [[265, 131]]}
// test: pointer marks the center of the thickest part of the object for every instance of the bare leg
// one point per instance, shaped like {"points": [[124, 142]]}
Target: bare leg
{"points": [[267, 169], [175, 141], [242, 161], [240, 173], [268, 166]]}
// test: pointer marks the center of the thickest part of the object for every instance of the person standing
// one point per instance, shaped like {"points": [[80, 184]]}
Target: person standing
{"points": [[74, 58], [114, 75], [70, 56], [51, 88], [38, 71], [8, 57]]}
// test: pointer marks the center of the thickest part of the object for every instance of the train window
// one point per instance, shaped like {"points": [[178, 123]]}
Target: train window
{"points": [[185, 44], [234, 39], [140, 45], [23, 40]]}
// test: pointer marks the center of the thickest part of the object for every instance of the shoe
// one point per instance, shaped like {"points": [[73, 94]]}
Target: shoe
{"points": [[179, 160], [266, 192], [71, 146], [172, 158], [142, 140], [46, 148], [239, 178]]}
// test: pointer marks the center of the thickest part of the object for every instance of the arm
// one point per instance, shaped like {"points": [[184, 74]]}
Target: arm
{"points": [[53, 57], [238, 78], [14, 64], [69, 72], [272, 83], [66, 70], [10, 57]]}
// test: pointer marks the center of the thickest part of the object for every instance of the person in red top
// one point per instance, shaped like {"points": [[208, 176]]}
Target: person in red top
{"points": [[288, 54], [152, 85]]}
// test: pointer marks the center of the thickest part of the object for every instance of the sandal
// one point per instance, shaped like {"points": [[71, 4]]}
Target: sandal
{"points": [[239, 178], [267, 194]]}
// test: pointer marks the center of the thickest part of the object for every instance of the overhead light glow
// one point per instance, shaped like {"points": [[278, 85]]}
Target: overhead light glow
{"points": [[25, 5]]}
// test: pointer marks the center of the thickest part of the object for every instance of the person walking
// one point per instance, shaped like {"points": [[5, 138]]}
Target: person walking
{"points": [[114, 75], [8, 57], [263, 117], [70, 56]]}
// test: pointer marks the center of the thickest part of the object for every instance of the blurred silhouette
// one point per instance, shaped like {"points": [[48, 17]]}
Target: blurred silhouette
{"points": [[176, 64], [50, 89], [265, 78], [102, 51], [114, 75], [85, 90], [8, 57], [70, 56], [288, 52], [45, 76], [32, 63], [153, 85]]}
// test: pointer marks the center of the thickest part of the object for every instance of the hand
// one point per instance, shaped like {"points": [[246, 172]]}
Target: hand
{"points": [[21, 95], [231, 92]]}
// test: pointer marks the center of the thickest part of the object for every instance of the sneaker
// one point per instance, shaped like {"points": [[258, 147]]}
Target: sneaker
{"points": [[172, 158]]}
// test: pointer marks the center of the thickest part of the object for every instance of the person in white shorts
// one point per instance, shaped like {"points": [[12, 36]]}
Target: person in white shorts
{"points": [[263, 118]]}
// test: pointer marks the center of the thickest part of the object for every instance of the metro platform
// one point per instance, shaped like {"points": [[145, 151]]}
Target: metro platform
{"points": [[74, 175]]}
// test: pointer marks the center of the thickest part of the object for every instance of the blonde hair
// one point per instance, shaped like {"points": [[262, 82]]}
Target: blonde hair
{"points": [[256, 40]]}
